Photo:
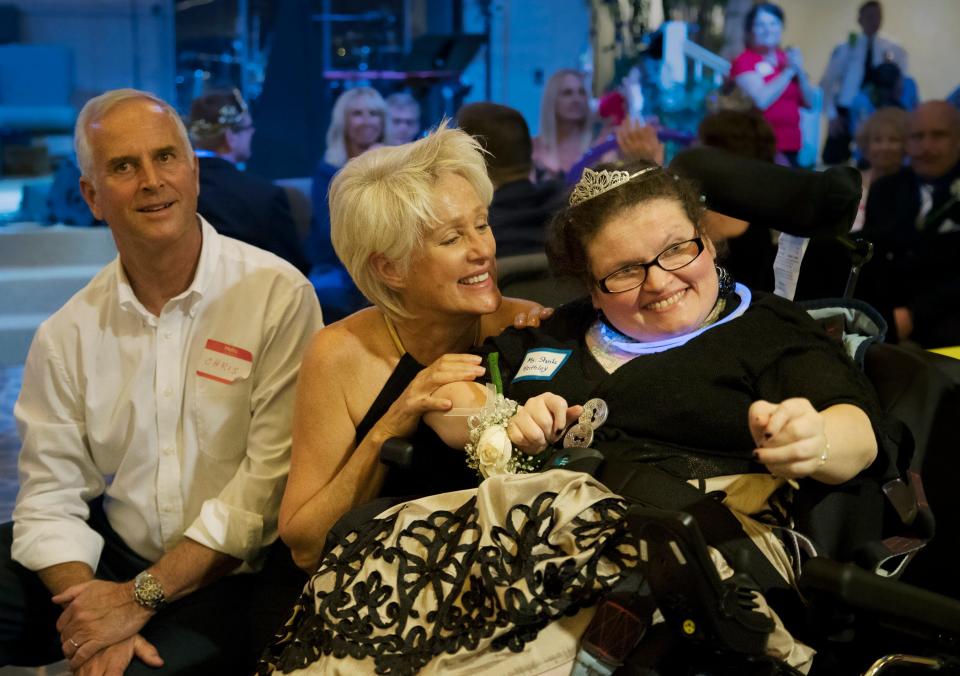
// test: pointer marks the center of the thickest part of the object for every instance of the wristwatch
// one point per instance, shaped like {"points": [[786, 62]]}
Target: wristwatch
{"points": [[148, 592]]}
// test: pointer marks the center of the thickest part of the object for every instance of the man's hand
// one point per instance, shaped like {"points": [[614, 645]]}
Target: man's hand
{"points": [[97, 615], [114, 660]]}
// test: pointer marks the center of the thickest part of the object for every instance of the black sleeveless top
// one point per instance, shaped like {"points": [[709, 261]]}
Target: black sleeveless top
{"points": [[436, 467]]}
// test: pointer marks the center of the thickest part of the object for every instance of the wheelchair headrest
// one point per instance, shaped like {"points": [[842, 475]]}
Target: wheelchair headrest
{"points": [[798, 201]]}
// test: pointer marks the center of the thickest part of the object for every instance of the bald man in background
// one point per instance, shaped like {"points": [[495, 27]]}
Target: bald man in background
{"points": [[913, 219]]}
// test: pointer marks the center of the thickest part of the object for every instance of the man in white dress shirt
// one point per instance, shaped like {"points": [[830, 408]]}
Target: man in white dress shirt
{"points": [[155, 418], [850, 68]]}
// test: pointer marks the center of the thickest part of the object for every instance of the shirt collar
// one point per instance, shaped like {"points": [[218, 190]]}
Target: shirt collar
{"points": [[941, 182], [210, 154], [200, 152], [209, 255]]}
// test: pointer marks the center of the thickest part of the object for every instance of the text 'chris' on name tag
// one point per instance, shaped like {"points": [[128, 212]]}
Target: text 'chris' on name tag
{"points": [[224, 363]]}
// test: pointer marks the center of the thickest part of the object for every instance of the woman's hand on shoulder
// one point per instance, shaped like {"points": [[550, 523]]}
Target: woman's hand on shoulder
{"points": [[540, 422], [524, 314], [419, 397], [790, 437]]}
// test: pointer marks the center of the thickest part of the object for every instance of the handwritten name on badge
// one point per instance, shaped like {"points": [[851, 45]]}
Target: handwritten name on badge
{"points": [[224, 363], [541, 364]]}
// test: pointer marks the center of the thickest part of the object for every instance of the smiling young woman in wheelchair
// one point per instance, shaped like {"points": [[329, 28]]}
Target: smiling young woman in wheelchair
{"points": [[705, 386]]}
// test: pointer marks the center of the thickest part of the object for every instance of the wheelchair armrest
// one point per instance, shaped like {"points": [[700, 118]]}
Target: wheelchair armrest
{"points": [[909, 606], [397, 452]]}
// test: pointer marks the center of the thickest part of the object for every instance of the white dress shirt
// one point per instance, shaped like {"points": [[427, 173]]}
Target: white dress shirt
{"points": [[844, 72], [183, 420]]}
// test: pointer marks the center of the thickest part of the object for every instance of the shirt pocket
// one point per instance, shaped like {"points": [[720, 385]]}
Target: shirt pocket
{"points": [[222, 413]]}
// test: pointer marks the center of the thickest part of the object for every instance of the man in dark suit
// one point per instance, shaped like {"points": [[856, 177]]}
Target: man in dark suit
{"points": [[238, 204], [913, 219], [520, 208]]}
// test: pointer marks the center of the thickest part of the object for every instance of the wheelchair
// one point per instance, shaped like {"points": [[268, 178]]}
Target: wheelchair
{"points": [[858, 612]]}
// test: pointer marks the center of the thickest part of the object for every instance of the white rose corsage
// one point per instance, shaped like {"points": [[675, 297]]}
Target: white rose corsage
{"points": [[489, 450]]}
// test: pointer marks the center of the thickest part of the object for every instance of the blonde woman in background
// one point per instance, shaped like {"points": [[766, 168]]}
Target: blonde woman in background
{"points": [[357, 124], [566, 124], [881, 140]]}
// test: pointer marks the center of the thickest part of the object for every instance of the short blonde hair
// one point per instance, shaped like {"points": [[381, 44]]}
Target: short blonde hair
{"points": [[885, 118], [336, 153], [97, 107], [382, 202]]}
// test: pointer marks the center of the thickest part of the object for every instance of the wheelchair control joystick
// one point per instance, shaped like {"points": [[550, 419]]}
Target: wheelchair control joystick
{"points": [[397, 452]]}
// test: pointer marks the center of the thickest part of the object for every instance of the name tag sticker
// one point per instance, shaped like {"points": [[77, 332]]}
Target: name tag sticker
{"points": [[224, 363], [764, 68], [541, 364]]}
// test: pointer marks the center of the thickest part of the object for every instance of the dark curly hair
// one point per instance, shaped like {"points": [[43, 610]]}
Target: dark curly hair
{"points": [[743, 132], [572, 229]]}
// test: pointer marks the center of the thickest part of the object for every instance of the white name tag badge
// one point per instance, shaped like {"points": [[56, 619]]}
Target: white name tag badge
{"points": [[541, 364], [786, 266], [224, 363]]}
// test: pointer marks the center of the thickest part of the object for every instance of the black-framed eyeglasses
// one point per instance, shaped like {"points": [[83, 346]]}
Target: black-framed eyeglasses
{"points": [[672, 258]]}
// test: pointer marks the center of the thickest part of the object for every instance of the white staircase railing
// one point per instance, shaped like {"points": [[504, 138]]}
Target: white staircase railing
{"points": [[678, 49], [702, 59]]}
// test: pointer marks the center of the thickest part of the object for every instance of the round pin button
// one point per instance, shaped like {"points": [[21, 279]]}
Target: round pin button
{"points": [[595, 413], [578, 436]]}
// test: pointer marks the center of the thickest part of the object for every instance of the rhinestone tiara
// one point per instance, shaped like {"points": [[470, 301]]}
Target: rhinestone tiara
{"points": [[593, 183]]}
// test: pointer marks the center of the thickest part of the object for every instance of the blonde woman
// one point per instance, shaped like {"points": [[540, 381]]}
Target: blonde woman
{"points": [[881, 140], [356, 125], [566, 124], [410, 224]]}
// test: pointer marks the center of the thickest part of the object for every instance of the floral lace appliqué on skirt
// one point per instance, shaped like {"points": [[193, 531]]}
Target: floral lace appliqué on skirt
{"points": [[474, 574]]}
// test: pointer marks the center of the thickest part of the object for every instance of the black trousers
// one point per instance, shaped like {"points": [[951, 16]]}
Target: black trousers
{"points": [[220, 629], [836, 150]]}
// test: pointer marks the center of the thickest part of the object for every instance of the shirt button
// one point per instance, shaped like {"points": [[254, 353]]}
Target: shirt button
{"points": [[168, 450], [168, 392], [168, 335]]}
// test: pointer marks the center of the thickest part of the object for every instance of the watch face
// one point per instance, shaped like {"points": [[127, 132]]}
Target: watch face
{"points": [[148, 592]]}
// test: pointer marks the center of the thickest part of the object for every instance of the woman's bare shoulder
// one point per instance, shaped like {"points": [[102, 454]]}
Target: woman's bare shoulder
{"points": [[354, 357], [353, 339]]}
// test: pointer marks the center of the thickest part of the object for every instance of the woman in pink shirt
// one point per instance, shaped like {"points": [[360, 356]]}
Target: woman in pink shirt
{"points": [[772, 77]]}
